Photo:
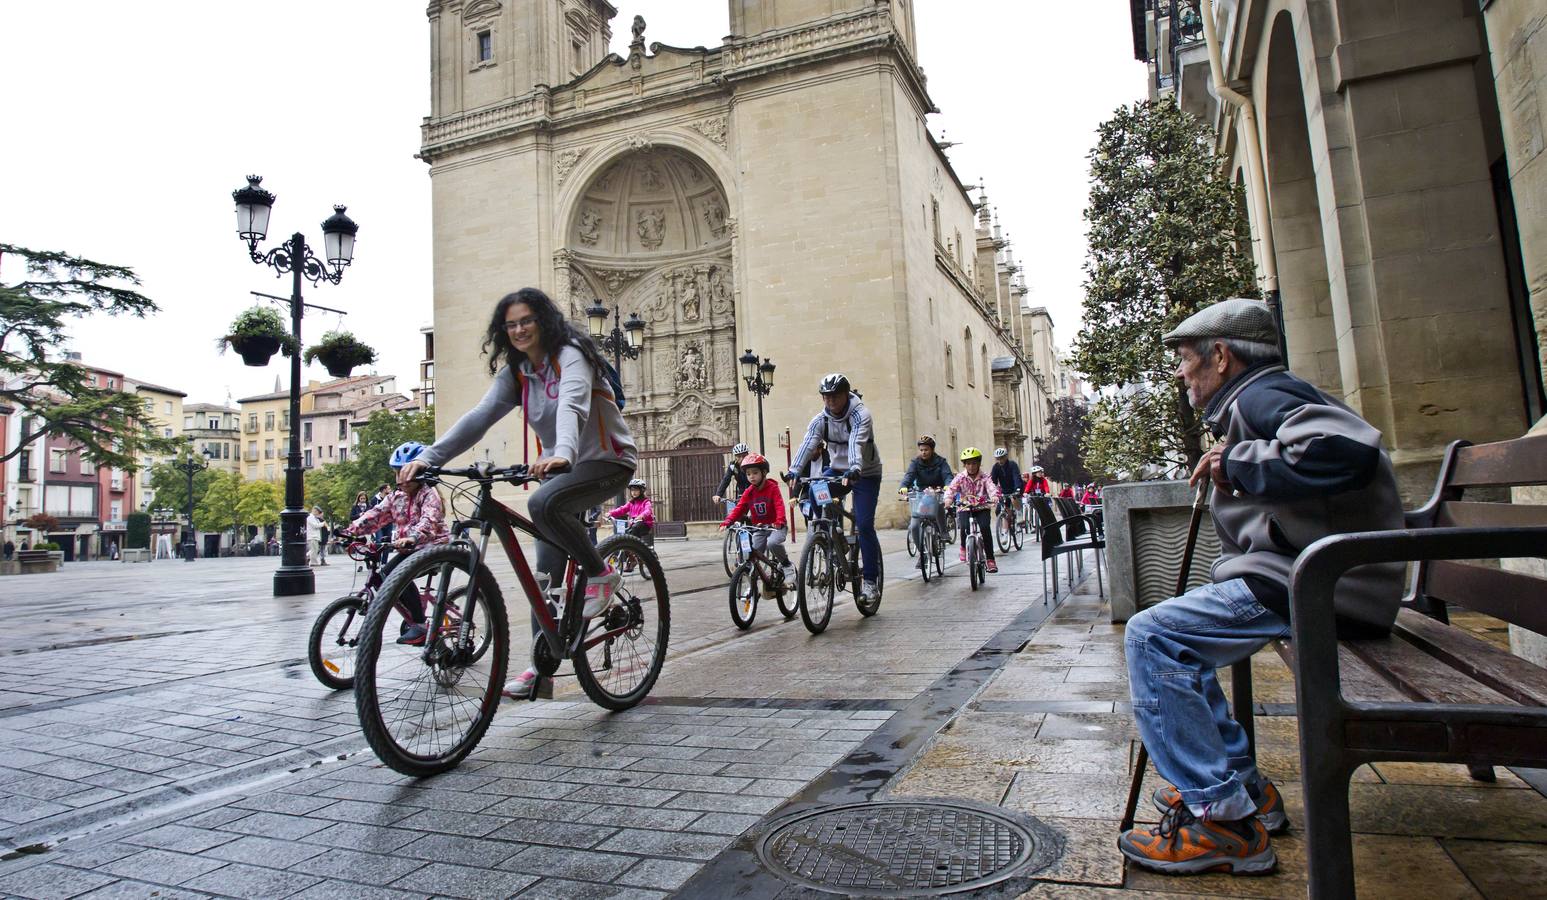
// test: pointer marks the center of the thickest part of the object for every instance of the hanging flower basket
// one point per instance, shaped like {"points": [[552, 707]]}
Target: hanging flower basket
{"points": [[340, 352], [257, 334]]}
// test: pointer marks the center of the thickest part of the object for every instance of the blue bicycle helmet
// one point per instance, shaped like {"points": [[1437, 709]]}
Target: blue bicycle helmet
{"points": [[406, 454]]}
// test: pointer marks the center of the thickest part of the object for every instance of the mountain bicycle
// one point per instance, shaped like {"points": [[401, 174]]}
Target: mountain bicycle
{"points": [[923, 507], [424, 709], [830, 558], [335, 636], [755, 577], [977, 557], [1007, 532]]}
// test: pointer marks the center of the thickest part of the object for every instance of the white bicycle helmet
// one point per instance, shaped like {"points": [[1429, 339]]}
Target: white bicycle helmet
{"points": [[738, 450], [1001, 453]]}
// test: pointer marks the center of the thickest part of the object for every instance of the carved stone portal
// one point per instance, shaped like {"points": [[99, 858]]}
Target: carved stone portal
{"points": [[651, 227], [691, 372], [590, 229]]}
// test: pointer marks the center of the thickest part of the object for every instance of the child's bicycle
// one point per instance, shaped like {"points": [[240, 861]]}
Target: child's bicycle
{"points": [[625, 526], [977, 557], [336, 634], [759, 574]]}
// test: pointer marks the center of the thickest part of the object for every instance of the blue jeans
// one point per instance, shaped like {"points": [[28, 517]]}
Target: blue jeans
{"points": [[867, 493], [1173, 650]]}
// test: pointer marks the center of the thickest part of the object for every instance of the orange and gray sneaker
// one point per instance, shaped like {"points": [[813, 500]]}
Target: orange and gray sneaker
{"points": [[1270, 806], [1183, 844]]}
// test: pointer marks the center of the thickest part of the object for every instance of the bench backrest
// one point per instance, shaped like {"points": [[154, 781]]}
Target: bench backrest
{"points": [[1066, 509], [1050, 514], [1515, 597]]}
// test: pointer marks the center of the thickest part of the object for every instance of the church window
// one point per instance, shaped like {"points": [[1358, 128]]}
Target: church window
{"points": [[958, 247], [950, 368], [967, 357], [931, 310], [485, 46], [579, 49]]}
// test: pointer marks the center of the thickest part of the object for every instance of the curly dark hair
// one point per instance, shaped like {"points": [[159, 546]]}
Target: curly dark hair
{"points": [[553, 330]]}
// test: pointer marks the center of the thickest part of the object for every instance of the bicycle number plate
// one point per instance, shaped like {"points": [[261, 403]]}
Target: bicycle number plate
{"points": [[746, 542], [821, 492], [619, 526]]}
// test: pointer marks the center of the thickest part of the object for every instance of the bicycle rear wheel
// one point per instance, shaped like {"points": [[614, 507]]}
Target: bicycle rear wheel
{"points": [[817, 585], [423, 709], [973, 550], [784, 595], [743, 596], [1002, 532], [624, 647], [335, 636], [1015, 535]]}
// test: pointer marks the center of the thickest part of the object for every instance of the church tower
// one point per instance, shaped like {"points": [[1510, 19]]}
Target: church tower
{"points": [[486, 52], [750, 18]]}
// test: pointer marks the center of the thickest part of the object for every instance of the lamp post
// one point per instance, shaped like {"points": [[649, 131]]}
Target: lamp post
{"points": [[620, 342], [758, 374], [189, 466], [295, 256]]}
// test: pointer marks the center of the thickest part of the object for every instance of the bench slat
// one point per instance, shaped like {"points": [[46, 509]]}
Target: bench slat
{"points": [[1504, 463], [1515, 597], [1421, 676], [1521, 681], [1467, 514], [1359, 681]]}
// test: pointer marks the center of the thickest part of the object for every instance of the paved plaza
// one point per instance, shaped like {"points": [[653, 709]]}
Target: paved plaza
{"points": [[162, 736]]}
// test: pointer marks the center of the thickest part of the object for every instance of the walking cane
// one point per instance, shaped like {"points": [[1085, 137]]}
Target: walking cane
{"points": [[1199, 503]]}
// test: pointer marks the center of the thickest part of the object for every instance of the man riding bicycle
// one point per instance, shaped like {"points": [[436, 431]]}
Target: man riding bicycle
{"points": [[733, 473], [1006, 476], [842, 434], [927, 470]]}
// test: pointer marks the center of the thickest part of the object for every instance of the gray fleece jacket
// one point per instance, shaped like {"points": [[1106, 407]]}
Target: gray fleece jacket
{"points": [[567, 405], [1303, 466]]}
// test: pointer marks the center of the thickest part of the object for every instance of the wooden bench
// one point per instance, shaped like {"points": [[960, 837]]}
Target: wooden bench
{"points": [[1430, 692]]}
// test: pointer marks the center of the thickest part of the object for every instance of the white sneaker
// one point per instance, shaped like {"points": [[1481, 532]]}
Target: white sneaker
{"points": [[599, 591], [867, 590]]}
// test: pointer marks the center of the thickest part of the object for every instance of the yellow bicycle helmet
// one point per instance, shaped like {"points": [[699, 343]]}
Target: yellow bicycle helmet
{"points": [[971, 453]]}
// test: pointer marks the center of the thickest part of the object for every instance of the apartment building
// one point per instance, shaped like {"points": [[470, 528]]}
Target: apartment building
{"points": [[164, 411], [214, 430]]}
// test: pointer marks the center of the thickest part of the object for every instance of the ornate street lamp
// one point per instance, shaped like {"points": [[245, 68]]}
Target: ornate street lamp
{"points": [[758, 374], [190, 465], [296, 257], [627, 340]]}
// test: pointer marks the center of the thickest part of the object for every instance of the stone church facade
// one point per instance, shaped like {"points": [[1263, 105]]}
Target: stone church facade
{"points": [[780, 192]]}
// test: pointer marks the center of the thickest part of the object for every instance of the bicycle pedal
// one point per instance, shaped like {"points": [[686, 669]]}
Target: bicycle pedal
{"points": [[542, 689]]}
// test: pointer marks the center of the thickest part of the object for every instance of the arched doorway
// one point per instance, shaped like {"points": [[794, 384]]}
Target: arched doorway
{"points": [[651, 233], [1299, 248]]}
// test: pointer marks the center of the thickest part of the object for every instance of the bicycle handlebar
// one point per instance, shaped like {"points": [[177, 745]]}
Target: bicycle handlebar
{"points": [[482, 472]]}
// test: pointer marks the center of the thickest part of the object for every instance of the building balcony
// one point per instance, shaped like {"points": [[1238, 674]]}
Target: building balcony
{"points": [[26, 476], [251, 428], [250, 456]]}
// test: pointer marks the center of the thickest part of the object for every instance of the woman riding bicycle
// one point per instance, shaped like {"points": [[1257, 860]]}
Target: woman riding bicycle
{"points": [[973, 488], [586, 454], [762, 504], [419, 519], [927, 470]]}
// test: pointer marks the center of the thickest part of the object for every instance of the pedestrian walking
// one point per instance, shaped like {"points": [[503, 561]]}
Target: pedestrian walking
{"points": [[112, 550], [1292, 465], [314, 536], [10, 550], [322, 549]]}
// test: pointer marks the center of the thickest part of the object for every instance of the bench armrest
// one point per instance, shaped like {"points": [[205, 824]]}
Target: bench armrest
{"points": [[1317, 570]]}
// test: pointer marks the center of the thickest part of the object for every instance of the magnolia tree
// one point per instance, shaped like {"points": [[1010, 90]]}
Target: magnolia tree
{"points": [[1168, 236]]}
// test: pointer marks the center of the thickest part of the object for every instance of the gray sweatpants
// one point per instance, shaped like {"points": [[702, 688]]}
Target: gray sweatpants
{"points": [[557, 509]]}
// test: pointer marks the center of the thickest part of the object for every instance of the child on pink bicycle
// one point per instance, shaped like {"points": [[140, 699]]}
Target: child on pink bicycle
{"points": [[973, 489], [419, 520], [638, 512]]}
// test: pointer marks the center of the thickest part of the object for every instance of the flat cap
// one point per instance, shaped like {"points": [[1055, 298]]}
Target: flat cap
{"points": [[1238, 317]]}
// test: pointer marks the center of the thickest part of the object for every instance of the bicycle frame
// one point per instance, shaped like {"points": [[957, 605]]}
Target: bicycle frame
{"points": [[762, 564]]}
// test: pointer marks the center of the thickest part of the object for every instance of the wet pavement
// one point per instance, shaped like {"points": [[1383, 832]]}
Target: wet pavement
{"points": [[162, 732]]}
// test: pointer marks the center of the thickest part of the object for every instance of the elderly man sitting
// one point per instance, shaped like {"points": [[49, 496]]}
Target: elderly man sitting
{"points": [[1292, 465]]}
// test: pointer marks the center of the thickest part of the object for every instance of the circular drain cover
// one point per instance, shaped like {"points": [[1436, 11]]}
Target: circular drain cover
{"points": [[901, 848]]}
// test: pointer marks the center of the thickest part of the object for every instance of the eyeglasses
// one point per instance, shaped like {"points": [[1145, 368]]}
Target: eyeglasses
{"points": [[518, 324]]}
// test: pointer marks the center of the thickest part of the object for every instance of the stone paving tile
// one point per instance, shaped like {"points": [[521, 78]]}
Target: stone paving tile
{"points": [[556, 833], [636, 817], [139, 890], [460, 850], [446, 880], [162, 866], [452, 822], [344, 890], [724, 803], [361, 812], [561, 862], [559, 889], [724, 823], [51, 882], [352, 865], [666, 874], [262, 851], [665, 843], [242, 880], [373, 838], [182, 838], [276, 825]]}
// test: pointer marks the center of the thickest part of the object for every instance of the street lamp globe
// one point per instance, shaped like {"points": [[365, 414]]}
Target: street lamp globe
{"points": [[338, 238], [748, 362], [253, 205], [596, 315], [767, 370], [634, 328]]}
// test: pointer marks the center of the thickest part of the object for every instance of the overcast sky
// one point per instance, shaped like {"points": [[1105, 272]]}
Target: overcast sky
{"points": [[129, 124]]}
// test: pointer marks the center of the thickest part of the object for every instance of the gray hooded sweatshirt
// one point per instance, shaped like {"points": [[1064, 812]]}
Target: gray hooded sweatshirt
{"points": [[1303, 466], [567, 405]]}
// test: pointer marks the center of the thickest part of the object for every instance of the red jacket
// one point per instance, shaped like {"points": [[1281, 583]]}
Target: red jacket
{"points": [[1037, 484], [1067, 492], [762, 505]]}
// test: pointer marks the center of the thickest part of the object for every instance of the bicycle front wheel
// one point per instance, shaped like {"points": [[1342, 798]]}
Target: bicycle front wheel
{"points": [[1015, 535], [730, 553], [817, 585], [913, 549], [743, 596], [927, 544], [1002, 532], [424, 708], [624, 647], [973, 551]]}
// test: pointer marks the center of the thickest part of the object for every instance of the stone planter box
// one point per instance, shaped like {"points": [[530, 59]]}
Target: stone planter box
{"points": [[135, 555], [1146, 525]]}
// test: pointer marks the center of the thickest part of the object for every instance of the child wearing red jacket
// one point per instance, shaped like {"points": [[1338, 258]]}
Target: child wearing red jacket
{"points": [[762, 504]]}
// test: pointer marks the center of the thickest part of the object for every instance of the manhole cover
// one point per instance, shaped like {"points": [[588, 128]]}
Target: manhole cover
{"points": [[901, 849]]}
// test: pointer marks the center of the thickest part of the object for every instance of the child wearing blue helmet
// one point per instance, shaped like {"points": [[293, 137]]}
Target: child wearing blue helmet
{"points": [[419, 519]]}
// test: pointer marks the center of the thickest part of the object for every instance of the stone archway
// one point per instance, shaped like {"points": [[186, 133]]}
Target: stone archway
{"points": [[651, 233], [1300, 250]]}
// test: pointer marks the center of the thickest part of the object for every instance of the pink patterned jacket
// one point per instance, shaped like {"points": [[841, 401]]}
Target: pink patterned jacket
{"points": [[421, 518]]}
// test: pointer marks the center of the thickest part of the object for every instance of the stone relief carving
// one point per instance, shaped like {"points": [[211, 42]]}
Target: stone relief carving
{"points": [[565, 161], [691, 411], [714, 128], [639, 143], [590, 226], [714, 217], [650, 225], [650, 177], [604, 180], [691, 371], [690, 306], [720, 297]]}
